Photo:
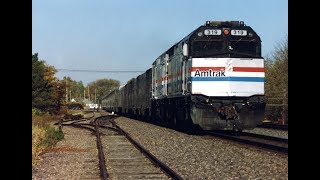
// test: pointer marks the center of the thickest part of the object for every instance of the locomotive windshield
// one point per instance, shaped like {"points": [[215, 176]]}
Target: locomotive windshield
{"points": [[212, 43], [207, 46], [248, 46], [229, 48]]}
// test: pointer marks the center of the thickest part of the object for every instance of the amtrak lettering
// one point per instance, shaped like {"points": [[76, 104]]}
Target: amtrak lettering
{"points": [[209, 73]]}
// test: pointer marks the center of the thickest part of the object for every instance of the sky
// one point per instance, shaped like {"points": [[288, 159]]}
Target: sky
{"points": [[128, 35]]}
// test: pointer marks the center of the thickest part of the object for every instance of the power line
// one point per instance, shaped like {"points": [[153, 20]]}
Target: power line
{"points": [[100, 71]]}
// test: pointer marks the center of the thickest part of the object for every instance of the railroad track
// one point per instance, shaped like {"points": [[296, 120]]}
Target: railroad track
{"points": [[120, 157], [126, 158], [258, 140]]}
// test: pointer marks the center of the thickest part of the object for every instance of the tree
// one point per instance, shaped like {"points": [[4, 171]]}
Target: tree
{"points": [[277, 70], [76, 88], [58, 94], [277, 81], [47, 91], [41, 88], [101, 88]]}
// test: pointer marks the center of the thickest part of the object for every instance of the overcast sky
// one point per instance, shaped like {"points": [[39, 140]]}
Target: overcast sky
{"points": [[130, 34]]}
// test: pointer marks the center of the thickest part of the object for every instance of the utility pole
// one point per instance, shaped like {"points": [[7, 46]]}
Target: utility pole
{"points": [[70, 95], [66, 90], [95, 96], [89, 93]]}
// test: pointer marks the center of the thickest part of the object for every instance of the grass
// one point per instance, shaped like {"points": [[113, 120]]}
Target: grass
{"points": [[44, 135]]}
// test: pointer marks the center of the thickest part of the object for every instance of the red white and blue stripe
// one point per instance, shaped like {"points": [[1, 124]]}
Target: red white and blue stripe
{"points": [[227, 76]]}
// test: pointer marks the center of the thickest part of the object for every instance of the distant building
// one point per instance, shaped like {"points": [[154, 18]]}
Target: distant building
{"points": [[90, 104]]}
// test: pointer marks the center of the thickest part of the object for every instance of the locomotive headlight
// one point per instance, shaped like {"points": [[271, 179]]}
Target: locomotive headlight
{"points": [[226, 31], [200, 33], [250, 34]]}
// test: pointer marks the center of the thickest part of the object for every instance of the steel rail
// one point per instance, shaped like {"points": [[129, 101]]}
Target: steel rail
{"points": [[153, 159], [250, 142]]}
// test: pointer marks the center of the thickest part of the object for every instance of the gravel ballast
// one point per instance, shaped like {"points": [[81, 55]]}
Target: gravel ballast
{"points": [[191, 156], [206, 157], [75, 157], [270, 132]]}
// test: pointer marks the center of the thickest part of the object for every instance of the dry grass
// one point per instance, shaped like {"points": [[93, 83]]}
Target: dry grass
{"points": [[43, 135], [43, 120], [75, 112], [38, 136]]}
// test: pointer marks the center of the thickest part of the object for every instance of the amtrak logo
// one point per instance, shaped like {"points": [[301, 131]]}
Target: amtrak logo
{"points": [[209, 73]]}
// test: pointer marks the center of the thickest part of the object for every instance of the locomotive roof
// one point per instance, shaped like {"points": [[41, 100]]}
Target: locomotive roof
{"points": [[217, 24]]}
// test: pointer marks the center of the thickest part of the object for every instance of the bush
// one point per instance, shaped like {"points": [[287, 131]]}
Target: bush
{"points": [[73, 117], [43, 119], [37, 112], [52, 136], [43, 135], [273, 113], [75, 105], [38, 135]]}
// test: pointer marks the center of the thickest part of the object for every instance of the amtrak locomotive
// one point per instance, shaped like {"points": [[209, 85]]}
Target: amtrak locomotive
{"points": [[213, 78]]}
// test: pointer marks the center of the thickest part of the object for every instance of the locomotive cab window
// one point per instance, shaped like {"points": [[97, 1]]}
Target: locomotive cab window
{"points": [[206, 47], [250, 47]]}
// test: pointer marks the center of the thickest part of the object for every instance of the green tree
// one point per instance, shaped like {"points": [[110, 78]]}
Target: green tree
{"points": [[79, 89], [47, 91], [58, 94], [74, 88], [101, 88], [277, 81], [277, 70], [41, 88]]}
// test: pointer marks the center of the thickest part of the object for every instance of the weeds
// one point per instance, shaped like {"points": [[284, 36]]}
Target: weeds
{"points": [[43, 135]]}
